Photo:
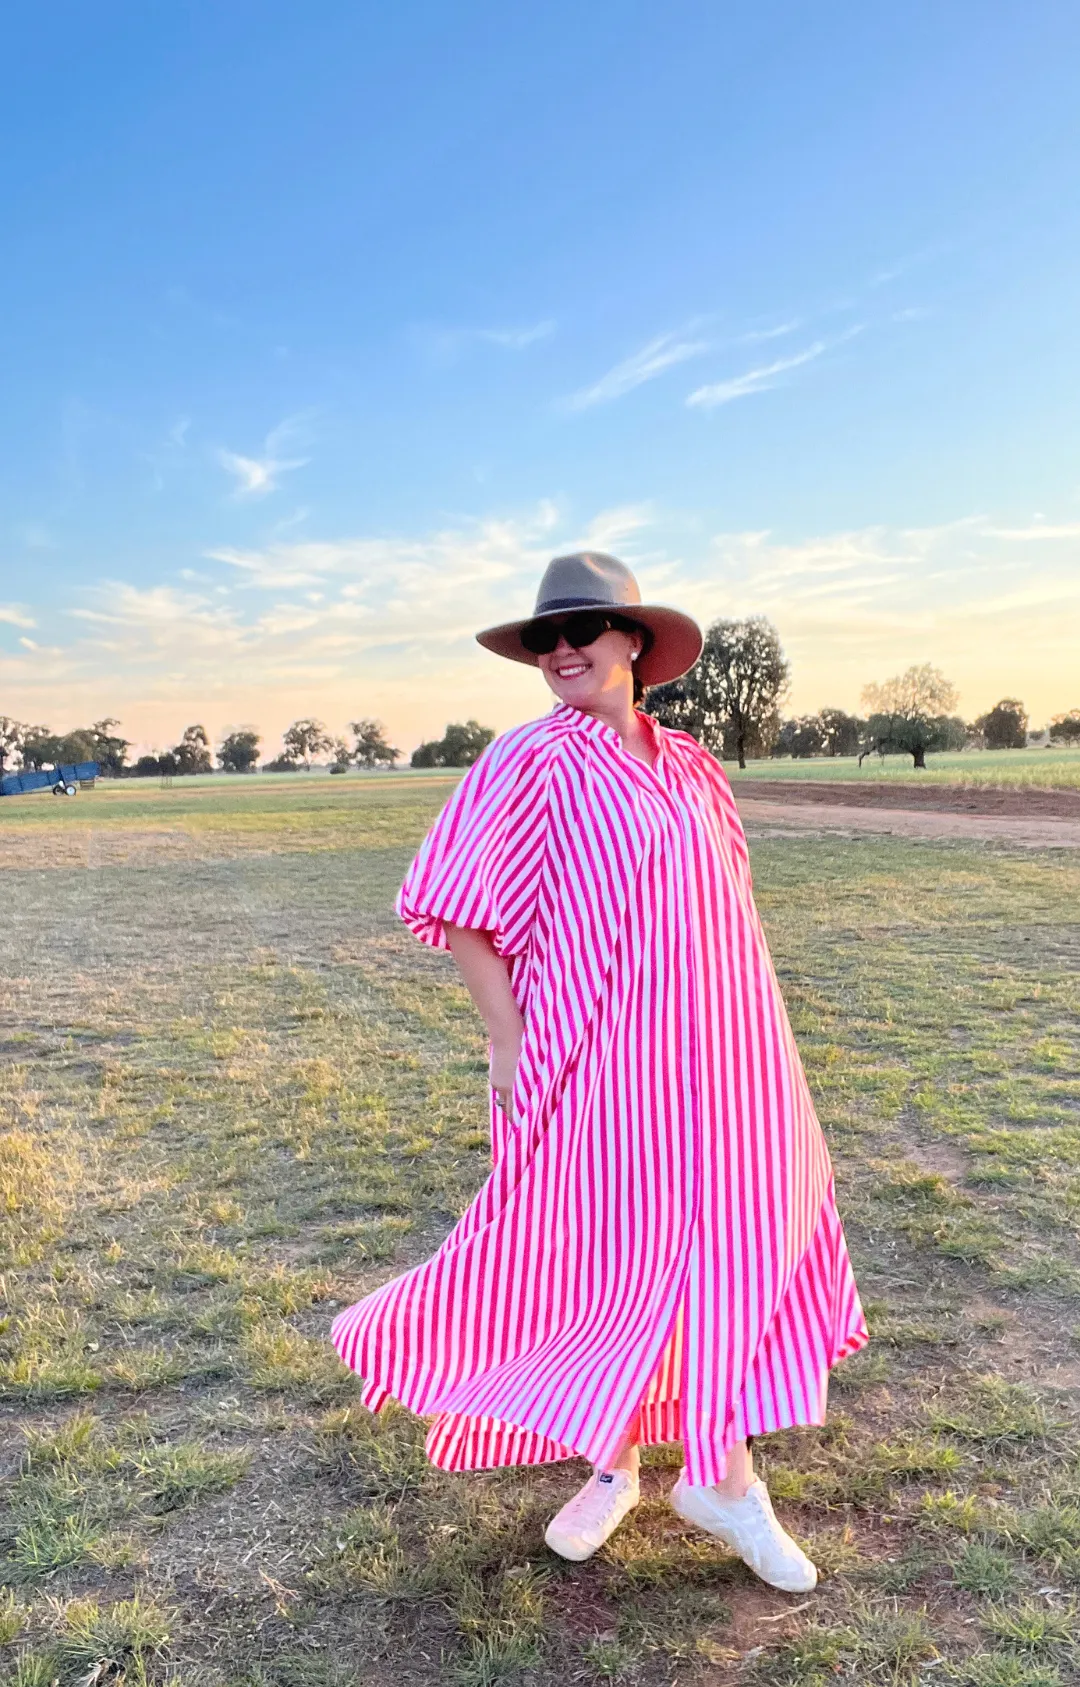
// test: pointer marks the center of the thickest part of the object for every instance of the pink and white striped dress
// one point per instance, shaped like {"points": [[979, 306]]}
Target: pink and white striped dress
{"points": [[658, 1243]]}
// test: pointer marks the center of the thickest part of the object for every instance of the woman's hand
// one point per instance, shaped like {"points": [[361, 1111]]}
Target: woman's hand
{"points": [[505, 1053]]}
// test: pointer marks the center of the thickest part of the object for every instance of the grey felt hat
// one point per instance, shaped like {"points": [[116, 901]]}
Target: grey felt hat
{"points": [[592, 580]]}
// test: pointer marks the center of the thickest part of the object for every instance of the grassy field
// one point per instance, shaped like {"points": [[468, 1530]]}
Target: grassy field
{"points": [[1046, 768], [236, 1095]]}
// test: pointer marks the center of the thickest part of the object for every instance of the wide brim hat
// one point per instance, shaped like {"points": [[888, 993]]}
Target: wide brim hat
{"points": [[593, 580]]}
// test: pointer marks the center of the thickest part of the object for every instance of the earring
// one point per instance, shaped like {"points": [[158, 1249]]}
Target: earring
{"points": [[634, 654]]}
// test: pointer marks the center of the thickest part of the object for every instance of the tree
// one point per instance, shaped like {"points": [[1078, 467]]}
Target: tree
{"points": [[109, 752], [732, 692], [281, 764], [239, 751], [305, 739], [463, 745], [11, 737], [843, 732], [371, 748], [341, 759], [954, 734], [460, 746], [193, 751], [804, 736], [1004, 727], [907, 713], [76, 746], [38, 747], [680, 705], [147, 767], [1065, 729]]}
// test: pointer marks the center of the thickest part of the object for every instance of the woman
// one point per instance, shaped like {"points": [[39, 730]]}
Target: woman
{"points": [[657, 1254]]}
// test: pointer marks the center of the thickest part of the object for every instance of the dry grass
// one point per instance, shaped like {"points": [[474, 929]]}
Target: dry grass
{"points": [[1056, 767], [236, 1095]]}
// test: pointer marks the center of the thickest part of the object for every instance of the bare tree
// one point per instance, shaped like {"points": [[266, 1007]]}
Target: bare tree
{"points": [[908, 713]]}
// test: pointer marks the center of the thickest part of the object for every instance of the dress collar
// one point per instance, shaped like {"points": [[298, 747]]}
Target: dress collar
{"points": [[578, 721]]}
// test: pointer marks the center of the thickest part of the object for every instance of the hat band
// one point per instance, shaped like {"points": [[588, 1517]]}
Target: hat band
{"points": [[551, 604]]}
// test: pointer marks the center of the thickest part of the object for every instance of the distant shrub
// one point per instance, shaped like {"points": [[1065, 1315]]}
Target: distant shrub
{"points": [[459, 746], [1004, 727], [240, 751]]}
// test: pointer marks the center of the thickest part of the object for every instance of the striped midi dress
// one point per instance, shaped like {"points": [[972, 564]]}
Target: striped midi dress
{"points": [[657, 1247]]}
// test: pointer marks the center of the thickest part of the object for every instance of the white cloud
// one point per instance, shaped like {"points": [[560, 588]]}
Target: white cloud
{"points": [[854, 606], [385, 624], [15, 616], [754, 380], [446, 345], [1038, 530], [656, 358], [754, 334], [514, 339], [614, 529], [161, 617], [440, 587], [256, 476]]}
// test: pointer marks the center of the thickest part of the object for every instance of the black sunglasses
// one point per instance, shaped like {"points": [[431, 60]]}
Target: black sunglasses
{"points": [[585, 627]]}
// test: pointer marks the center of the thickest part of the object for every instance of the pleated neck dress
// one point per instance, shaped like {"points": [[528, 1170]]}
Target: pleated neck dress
{"points": [[658, 1246]]}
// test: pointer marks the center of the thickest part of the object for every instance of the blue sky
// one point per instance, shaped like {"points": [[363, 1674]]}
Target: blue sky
{"points": [[322, 327]]}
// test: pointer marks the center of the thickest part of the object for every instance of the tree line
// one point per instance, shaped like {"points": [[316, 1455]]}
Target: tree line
{"points": [[730, 701], [28, 746], [304, 743]]}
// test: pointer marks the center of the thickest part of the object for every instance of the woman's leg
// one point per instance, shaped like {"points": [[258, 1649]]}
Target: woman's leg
{"points": [[739, 1512], [627, 1458], [740, 1472], [586, 1521]]}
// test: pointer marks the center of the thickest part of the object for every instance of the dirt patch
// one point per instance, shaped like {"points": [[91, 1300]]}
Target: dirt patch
{"points": [[1021, 802], [1049, 832]]}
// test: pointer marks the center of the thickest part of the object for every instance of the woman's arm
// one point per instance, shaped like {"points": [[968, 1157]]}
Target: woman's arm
{"points": [[487, 980]]}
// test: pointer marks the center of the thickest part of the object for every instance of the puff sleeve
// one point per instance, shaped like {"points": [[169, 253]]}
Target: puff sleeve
{"points": [[480, 865]]}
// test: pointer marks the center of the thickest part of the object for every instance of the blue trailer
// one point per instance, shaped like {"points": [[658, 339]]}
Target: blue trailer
{"points": [[62, 781]]}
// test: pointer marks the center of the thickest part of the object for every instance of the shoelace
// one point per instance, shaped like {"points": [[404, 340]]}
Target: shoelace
{"points": [[762, 1523], [760, 1520]]}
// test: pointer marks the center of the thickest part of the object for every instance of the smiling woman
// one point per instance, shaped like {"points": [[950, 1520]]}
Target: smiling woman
{"points": [[657, 1253]]}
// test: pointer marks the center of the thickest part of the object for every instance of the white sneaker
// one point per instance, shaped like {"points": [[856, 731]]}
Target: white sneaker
{"points": [[586, 1521], [750, 1528]]}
